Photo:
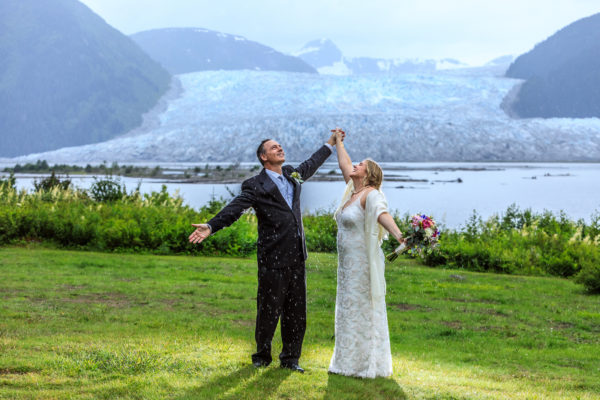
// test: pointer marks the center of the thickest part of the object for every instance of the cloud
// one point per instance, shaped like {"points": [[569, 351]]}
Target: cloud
{"points": [[471, 30]]}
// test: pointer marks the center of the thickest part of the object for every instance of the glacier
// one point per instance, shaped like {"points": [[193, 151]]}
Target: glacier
{"points": [[449, 115]]}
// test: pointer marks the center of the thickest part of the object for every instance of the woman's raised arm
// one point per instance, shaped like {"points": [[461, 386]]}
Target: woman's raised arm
{"points": [[344, 160]]}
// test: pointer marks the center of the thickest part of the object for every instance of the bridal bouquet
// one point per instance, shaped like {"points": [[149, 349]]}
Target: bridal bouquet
{"points": [[421, 239]]}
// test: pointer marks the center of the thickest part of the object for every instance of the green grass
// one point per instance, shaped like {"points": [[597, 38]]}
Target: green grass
{"points": [[108, 326]]}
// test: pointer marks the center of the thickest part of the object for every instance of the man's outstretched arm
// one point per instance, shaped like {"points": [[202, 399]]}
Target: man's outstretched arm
{"points": [[227, 216], [310, 166]]}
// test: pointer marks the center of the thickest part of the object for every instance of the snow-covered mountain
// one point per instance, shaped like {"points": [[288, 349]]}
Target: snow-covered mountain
{"points": [[184, 50], [320, 53], [328, 59], [453, 115]]}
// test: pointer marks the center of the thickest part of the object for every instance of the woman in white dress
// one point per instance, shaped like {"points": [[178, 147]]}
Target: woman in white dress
{"points": [[362, 342]]}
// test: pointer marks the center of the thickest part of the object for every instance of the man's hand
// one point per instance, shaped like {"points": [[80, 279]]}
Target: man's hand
{"points": [[337, 136], [332, 140], [202, 232]]}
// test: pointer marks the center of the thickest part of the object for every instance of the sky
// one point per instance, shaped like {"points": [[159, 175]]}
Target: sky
{"points": [[472, 31]]}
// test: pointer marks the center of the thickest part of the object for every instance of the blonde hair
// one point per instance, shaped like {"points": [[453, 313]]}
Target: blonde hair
{"points": [[374, 174]]}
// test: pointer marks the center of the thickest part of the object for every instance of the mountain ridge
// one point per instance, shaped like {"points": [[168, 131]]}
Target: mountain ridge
{"points": [[561, 74], [68, 78], [185, 50]]}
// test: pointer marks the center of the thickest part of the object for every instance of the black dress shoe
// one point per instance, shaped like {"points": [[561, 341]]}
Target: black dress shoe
{"points": [[260, 364], [293, 366]]}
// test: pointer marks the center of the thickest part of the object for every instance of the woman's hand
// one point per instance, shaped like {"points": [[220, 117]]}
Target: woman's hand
{"points": [[340, 135], [343, 158]]}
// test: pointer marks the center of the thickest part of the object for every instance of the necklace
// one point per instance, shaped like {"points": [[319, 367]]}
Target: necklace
{"points": [[358, 191]]}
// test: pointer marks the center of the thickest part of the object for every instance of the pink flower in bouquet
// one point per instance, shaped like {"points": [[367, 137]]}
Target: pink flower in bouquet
{"points": [[416, 220], [421, 239]]}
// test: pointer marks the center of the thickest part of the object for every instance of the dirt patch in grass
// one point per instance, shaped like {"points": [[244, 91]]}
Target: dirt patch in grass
{"points": [[196, 306], [452, 324], [7, 293], [74, 287], [486, 328], [16, 370], [467, 300], [244, 322], [491, 311], [128, 279], [562, 325], [110, 299], [409, 307]]}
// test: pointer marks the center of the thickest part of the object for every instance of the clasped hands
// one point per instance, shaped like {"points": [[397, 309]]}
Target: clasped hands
{"points": [[337, 136], [203, 230]]}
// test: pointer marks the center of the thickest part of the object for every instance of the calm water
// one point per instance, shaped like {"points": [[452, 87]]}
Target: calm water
{"points": [[574, 188]]}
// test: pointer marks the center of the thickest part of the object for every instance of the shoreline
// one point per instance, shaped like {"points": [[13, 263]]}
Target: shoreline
{"points": [[234, 173]]}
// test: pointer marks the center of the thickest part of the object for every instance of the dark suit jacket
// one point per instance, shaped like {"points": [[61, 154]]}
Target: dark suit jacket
{"points": [[280, 230]]}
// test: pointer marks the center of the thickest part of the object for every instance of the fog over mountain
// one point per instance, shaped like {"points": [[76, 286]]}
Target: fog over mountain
{"points": [[328, 59], [562, 74], [183, 50], [68, 78]]}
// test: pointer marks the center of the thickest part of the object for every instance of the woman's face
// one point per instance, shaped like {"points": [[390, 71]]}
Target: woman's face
{"points": [[359, 170]]}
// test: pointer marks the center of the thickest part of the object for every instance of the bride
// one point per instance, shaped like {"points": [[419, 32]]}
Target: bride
{"points": [[362, 342]]}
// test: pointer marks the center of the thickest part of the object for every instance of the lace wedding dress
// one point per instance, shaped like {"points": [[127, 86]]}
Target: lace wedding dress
{"points": [[362, 343]]}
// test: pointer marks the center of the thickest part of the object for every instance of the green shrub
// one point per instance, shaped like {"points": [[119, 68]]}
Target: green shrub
{"points": [[521, 242], [320, 231], [107, 190], [50, 183], [8, 183], [110, 219], [155, 222], [589, 276]]}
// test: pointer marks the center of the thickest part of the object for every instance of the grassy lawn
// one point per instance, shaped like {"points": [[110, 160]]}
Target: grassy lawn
{"points": [[95, 325]]}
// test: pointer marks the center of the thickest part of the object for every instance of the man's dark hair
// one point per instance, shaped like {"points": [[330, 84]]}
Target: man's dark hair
{"points": [[261, 150]]}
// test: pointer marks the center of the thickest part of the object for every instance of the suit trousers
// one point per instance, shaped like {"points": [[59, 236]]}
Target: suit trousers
{"points": [[281, 295]]}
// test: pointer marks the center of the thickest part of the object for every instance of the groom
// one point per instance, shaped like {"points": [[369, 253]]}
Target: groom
{"points": [[274, 194]]}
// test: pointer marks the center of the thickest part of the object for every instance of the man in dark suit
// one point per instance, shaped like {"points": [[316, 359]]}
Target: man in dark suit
{"points": [[274, 194]]}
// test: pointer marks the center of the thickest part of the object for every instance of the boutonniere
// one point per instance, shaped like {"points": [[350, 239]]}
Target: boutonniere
{"points": [[296, 176]]}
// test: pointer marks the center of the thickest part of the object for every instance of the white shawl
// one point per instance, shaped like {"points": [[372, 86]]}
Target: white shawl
{"points": [[376, 204]]}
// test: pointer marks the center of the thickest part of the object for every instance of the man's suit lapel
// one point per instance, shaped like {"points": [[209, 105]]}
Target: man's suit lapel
{"points": [[270, 186]]}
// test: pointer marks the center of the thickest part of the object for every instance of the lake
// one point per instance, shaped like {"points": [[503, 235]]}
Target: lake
{"points": [[430, 188]]}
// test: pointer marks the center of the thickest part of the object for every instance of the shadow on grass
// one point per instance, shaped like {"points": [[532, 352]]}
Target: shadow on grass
{"points": [[345, 387], [246, 382]]}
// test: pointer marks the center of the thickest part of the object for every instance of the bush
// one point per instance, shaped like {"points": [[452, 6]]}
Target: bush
{"points": [[155, 222], [50, 183], [589, 276], [320, 231], [7, 184], [520, 242], [107, 190], [110, 219]]}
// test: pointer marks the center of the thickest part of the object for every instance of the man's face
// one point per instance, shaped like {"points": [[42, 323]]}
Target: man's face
{"points": [[274, 154]]}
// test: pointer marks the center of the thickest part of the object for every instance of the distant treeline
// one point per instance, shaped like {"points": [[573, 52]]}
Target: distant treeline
{"points": [[197, 173], [42, 166], [109, 218]]}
